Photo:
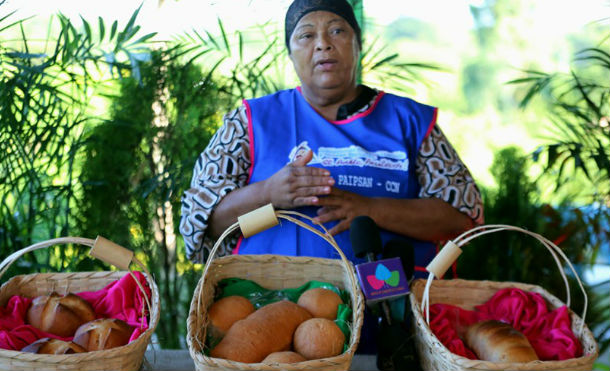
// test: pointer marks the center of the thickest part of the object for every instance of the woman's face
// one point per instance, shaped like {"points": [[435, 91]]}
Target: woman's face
{"points": [[324, 51]]}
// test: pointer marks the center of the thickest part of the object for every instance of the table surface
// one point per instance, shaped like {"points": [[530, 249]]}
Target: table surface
{"points": [[180, 360]]}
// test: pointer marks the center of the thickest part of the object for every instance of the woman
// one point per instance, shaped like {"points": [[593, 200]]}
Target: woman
{"points": [[332, 149]]}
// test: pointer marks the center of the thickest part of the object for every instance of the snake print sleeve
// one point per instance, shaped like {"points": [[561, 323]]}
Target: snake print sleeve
{"points": [[441, 173], [222, 167]]}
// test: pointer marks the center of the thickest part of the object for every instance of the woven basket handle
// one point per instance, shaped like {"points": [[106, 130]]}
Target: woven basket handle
{"points": [[266, 217], [451, 251], [101, 248]]}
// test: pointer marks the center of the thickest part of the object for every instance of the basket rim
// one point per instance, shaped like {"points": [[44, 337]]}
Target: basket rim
{"points": [[340, 360], [487, 365], [129, 349], [452, 250]]}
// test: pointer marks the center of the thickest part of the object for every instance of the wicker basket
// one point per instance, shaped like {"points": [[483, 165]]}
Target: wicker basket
{"points": [[273, 272], [127, 357], [467, 294]]}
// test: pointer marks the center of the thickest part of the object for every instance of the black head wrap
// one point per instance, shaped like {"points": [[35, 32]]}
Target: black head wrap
{"points": [[299, 8]]}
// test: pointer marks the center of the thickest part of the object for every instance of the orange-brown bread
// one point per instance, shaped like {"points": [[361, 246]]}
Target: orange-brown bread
{"points": [[103, 333], [496, 341], [226, 311], [267, 330], [284, 357], [318, 338], [53, 346], [320, 302], [59, 315]]}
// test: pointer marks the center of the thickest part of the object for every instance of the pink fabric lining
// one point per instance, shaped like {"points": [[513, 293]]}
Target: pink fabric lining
{"points": [[251, 135], [121, 299], [549, 332], [432, 123]]}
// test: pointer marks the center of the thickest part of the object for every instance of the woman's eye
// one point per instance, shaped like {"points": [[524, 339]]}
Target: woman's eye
{"points": [[305, 36], [337, 31]]}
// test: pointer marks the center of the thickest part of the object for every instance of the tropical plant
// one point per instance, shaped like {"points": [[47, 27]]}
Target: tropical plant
{"points": [[579, 109], [576, 153], [138, 163], [46, 91]]}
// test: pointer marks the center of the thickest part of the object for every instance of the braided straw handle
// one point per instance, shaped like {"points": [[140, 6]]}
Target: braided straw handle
{"points": [[270, 214], [101, 248], [452, 250]]}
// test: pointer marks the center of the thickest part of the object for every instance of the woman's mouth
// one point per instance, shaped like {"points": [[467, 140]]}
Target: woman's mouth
{"points": [[326, 64]]}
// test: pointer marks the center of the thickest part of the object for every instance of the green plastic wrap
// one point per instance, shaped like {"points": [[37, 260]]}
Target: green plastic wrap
{"points": [[260, 296]]}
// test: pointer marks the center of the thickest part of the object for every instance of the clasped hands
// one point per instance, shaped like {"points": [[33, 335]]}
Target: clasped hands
{"points": [[297, 185]]}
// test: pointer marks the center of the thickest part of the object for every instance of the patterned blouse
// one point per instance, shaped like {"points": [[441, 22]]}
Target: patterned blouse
{"points": [[225, 163]]}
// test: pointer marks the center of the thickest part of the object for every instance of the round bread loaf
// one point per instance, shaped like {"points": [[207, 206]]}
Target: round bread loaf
{"points": [[284, 357], [59, 315], [320, 302], [226, 311], [103, 333], [53, 346], [318, 338]]}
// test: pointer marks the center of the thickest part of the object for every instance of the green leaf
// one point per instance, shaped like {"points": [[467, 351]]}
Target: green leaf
{"points": [[144, 38], [586, 97], [24, 38], [578, 161], [113, 29], [384, 61], [241, 46], [102, 28], [211, 71], [87, 28], [539, 84], [132, 20], [224, 36], [552, 152], [592, 54], [196, 56], [14, 23], [211, 38]]}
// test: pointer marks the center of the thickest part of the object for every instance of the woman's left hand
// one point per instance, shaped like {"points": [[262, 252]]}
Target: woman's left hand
{"points": [[343, 206]]}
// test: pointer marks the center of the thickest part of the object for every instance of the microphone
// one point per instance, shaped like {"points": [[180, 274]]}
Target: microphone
{"points": [[365, 238], [383, 282], [396, 345], [366, 242]]}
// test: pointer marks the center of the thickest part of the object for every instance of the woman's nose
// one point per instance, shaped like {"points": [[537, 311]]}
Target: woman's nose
{"points": [[323, 43]]}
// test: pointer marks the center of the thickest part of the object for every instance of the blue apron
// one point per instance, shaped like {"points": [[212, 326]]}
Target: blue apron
{"points": [[372, 154]]}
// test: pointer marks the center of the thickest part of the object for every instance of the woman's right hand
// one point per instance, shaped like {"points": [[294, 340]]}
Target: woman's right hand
{"points": [[297, 185]]}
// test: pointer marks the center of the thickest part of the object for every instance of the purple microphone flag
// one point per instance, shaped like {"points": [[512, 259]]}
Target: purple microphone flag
{"points": [[382, 279]]}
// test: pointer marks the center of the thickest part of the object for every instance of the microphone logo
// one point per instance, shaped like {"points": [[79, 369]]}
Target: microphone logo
{"points": [[383, 276]]}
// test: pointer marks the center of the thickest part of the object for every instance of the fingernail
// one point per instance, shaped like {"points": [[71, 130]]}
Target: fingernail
{"points": [[331, 181]]}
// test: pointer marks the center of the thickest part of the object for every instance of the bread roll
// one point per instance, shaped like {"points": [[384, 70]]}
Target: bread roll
{"points": [[320, 302], [53, 346], [496, 341], [59, 315], [318, 338], [284, 357], [267, 330], [226, 311], [103, 333]]}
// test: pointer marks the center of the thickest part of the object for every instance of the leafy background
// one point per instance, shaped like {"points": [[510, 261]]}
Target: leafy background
{"points": [[100, 125]]}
